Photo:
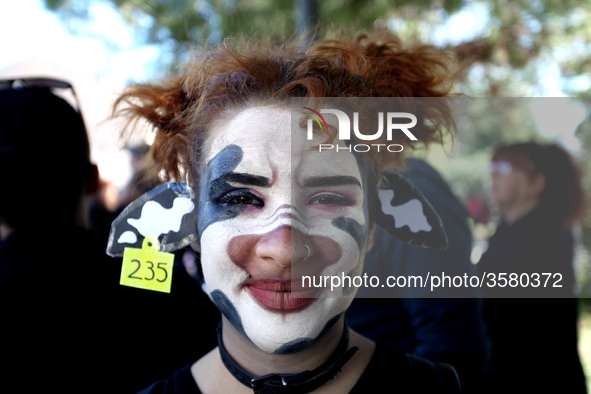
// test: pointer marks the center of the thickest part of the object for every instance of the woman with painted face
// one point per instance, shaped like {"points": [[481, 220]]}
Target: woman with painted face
{"points": [[533, 322], [273, 208]]}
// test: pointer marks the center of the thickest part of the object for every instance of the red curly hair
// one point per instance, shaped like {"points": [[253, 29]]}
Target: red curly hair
{"points": [[228, 78]]}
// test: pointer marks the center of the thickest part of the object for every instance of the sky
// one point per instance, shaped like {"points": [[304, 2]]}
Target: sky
{"points": [[29, 30]]}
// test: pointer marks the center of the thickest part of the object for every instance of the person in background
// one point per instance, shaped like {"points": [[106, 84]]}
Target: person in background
{"points": [[416, 320], [532, 321], [67, 324], [48, 258]]}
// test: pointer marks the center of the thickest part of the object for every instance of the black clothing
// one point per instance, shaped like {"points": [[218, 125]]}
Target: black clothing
{"points": [[65, 322], [387, 368], [54, 314], [534, 340], [65, 314]]}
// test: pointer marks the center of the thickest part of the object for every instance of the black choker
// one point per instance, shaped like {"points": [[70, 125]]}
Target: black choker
{"points": [[302, 382]]}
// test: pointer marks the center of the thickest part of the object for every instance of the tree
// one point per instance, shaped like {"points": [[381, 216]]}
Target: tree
{"points": [[519, 46]]}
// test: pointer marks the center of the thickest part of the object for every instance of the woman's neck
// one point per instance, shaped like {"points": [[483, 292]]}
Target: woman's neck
{"points": [[212, 376], [513, 213], [258, 362]]}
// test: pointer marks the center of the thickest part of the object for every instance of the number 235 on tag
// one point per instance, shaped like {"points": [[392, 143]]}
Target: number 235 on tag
{"points": [[147, 268]]}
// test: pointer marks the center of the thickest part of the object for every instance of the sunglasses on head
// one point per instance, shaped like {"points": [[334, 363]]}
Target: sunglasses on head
{"points": [[34, 82], [501, 167], [47, 83], [42, 82]]}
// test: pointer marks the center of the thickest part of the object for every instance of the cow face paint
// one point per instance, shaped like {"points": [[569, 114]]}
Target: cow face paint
{"points": [[260, 202]]}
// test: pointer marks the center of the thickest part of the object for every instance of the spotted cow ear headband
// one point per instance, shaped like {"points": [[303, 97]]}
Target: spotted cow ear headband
{"points": [[160, 221], [166, 213], [165, 219], [404, 212]]}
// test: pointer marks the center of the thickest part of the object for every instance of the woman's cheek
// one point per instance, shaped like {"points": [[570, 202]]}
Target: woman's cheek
{"points": [[218, 268]]}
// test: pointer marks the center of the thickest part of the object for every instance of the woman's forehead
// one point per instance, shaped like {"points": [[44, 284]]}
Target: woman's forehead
{"points": [[256, 127], [273, 144]]}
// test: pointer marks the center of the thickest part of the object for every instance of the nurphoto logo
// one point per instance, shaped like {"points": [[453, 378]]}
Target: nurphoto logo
{"points": [[394, 122]]}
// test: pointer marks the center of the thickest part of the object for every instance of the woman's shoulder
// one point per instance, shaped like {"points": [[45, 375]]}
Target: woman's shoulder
{"points": [[407, 373], [180, 382]]}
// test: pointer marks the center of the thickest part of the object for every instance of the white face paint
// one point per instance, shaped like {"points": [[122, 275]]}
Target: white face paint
{"points": [[261, 208]]}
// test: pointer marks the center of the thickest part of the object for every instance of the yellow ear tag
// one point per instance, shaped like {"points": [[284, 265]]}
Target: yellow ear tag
{"points": [[147, 268]]}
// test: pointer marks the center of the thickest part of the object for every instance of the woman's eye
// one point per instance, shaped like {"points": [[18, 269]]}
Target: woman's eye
{"points": [[240, 198], [244, 200], [330, 199]]}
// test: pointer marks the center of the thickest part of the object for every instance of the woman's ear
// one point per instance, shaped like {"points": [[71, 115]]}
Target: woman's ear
{"points": [[192, 263], [195, 246]]}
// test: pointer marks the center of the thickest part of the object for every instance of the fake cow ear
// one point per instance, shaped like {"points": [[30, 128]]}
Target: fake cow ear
{"points": [[405, 212], [166, 212]]}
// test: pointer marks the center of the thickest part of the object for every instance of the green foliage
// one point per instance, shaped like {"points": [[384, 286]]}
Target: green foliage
{"points": [[509, 56]]}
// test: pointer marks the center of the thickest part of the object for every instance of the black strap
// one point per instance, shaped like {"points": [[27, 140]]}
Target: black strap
{"points": [[302, 382]]}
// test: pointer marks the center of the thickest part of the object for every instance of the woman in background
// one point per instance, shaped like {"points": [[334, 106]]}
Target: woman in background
{"points": [[538, 191]]}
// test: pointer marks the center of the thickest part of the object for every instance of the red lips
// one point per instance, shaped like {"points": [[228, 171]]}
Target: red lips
{"points": [[270, 263], [279, 296]]}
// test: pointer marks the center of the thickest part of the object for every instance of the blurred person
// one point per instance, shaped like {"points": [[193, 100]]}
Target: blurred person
{"points": [[226, 125], [48, 256], [538, 191], [28, 140], [48, 178], [67, 324], [412, 319]]}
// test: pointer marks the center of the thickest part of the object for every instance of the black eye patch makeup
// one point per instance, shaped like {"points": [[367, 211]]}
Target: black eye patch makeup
{"points": [[213, 186], [351, 226], [220, 198]]}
